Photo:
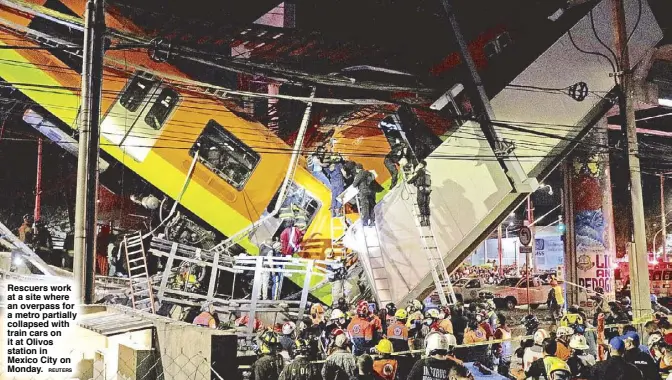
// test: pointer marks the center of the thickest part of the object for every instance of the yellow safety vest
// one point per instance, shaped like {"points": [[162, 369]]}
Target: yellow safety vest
{"points": [[558, 295]]}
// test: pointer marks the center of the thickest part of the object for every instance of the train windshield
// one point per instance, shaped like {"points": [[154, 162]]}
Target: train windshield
{"points": [[225, 155]]}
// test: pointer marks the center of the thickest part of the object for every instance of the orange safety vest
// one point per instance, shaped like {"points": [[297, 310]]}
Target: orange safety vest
{"points": [[360, 328], [446, 325], [204, 319], [475, 336], [385, 368], [397, 331]]}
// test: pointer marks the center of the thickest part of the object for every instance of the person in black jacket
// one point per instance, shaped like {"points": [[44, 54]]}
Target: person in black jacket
{"points": [[615, 367], [642, 360], [393, 158], [367, 198], [423, 182]]}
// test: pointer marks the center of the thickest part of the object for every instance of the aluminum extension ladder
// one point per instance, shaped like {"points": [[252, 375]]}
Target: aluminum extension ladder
{"points": [[142, 294], [339, 225], [380, 280], [440, 274]]}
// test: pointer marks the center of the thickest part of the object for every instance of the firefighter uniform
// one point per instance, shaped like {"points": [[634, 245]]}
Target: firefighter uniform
{"points": [[385, 368]]}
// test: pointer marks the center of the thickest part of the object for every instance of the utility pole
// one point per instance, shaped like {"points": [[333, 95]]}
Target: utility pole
{"points": [[571, 271], [89, 145], [662, 216], [38, 182], [530, 221], [500, 248], [640, 290]]}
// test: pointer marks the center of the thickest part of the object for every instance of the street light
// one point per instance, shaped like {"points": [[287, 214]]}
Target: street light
{"points": [[654, 240], [507, 229]]}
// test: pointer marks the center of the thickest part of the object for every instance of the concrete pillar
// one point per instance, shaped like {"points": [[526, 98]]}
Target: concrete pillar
{"points": [[594, 239]]}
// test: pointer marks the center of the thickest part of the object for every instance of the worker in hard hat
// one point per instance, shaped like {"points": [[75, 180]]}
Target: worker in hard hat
{"points": [[360, 330], [437, 361], [317, 313], [386, 366], [301, 368], [186, 279], [555, 300], [270, 362], [287, 339], [397, 332], [207, 316], [337, 275]]}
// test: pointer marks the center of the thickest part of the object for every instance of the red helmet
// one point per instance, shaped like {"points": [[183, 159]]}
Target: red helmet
{"points": [[363, 309]]}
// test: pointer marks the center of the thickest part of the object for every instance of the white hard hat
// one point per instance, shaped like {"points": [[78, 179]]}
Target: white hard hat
{"points": [[564, 331], [452, 341], [578, 342], [539, 336], [337, 314], [288, 328], [653, 339], [436, 341]]}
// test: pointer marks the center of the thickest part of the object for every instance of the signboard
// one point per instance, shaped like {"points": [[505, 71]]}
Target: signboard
{"points": [[525, 249], [525, 236]]}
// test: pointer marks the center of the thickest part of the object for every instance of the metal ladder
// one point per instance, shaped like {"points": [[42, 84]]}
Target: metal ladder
{"points": [[440, 274], [380, 280], [142, 294], [339, 225]]}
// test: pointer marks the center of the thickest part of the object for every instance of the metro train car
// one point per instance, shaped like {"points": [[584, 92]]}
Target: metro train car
{"points": [[154, 129]]}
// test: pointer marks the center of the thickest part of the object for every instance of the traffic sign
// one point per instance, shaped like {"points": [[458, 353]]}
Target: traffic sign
{"points": [[525, 236], [525, 249]]}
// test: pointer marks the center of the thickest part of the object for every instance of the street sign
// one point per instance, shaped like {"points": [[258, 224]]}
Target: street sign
{"points": [[525, 249], [525, 235]]}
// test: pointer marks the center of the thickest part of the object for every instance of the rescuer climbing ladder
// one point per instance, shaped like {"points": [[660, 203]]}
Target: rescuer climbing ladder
{"points": [[142, 294], [339, 225], [429, 244]]}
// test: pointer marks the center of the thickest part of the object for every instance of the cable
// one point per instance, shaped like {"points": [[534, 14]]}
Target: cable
{"points": [[599, 39], [613, 67]]}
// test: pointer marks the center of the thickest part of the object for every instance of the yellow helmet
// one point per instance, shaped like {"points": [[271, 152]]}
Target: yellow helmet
{"points": [[269, 342], [401, 315], [384, 347]]}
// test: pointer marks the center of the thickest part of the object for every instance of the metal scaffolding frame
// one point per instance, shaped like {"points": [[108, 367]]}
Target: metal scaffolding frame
{"points": [[177, 254]]}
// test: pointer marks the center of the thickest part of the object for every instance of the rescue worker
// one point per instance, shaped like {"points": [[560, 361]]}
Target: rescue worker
{"points": [[365, 368], [431, 321], [555, 300], [615, 367], [266, 250], [376, 322], [341, 364], [563, 334], [445, 323], [207, 316], [572, 318], [437, 363], [338, 275], [287, 340], [556, 369], [336, 184], [539, 369], [416, 337], [317, 165], [580, 363], [423, 183], [290, 239], [360, 330], [393, 158], [270, 364], [339, 319], [301, 368], [385, 367], [476, 334], [536, 351], [642, 360], [317, 313], [366, 196], [26, 230], [413, 306], [502, 351], [390, 311], [397, 332]]}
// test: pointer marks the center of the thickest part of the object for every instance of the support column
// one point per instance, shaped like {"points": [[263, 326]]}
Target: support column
{"points": [[593, 227], [571, 271]]}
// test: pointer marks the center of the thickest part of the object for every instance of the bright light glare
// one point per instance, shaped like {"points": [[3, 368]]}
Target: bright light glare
{"points": [[17, 261], [510, 224], [665, 102]]}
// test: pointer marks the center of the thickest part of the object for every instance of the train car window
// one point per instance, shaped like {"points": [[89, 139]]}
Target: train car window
{"points": [[657, 275], [490, 49], [300, 197], [667, 275], [225, 155], [135, 92], [504, 41], [164, 104]]}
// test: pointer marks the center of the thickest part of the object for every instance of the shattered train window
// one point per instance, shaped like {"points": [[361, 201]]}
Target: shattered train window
{"points": [[225, 155]]}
